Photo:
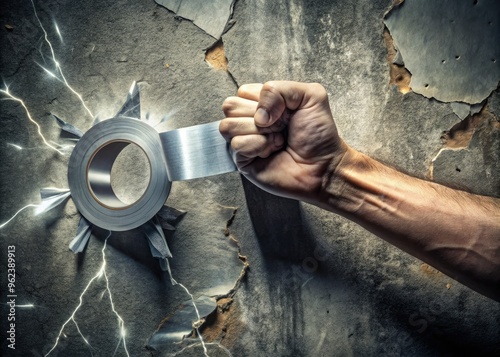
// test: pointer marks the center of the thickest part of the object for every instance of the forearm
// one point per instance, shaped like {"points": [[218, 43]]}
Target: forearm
{"points": [[456, 232]]}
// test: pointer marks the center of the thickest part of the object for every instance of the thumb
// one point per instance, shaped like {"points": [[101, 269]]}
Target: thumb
{"points": [[278, 96]]}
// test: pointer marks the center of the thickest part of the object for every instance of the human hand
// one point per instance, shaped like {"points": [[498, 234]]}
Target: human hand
{"points": [[283, 137]]}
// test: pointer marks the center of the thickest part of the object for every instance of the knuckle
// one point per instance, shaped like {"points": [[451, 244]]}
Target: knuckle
{"points": [[229, 105], [243, 89], [224, 126], [269, 86], [237, 143], [319, 90]]}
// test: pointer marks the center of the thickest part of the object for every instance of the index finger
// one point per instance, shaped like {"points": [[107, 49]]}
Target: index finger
{"points": [[250, 91]]}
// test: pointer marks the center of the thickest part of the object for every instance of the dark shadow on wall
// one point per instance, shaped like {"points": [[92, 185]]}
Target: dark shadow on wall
{"points": [[424, 321], [278, 224]]}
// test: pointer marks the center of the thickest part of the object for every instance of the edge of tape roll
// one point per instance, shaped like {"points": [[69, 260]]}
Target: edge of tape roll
{"points": [[180, 154]]}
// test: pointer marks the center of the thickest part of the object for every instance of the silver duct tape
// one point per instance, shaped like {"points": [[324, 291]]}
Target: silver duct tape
{"points": [[181, 154], [196, 151]]}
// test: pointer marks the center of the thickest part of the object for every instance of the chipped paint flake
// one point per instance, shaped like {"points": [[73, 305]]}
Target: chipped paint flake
{"points": [[450, 47]]}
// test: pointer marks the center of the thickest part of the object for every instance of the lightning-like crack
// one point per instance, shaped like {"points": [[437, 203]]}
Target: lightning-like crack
{"points": [[56, 62], [39, 129], [58, 32], [218, 345], [18, 147], [121, 324], [15, 215], [199, 321]]}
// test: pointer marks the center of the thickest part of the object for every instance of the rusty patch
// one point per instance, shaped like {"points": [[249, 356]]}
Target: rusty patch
{"points": [[460, 135], [216, 57], [226, 325], [399, 75]]}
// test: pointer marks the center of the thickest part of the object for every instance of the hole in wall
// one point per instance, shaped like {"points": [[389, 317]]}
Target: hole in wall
{"points": [[216, 57]]}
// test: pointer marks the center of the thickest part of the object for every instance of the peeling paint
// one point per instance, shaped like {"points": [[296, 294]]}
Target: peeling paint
{"points": [[469, 158], [439, 43], [210, 16], [399, 75]]}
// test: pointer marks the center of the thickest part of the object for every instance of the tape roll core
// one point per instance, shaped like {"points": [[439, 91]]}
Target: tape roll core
{"points": [[99, 174]]}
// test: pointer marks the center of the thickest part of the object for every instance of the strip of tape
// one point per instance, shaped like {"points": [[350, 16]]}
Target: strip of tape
{"points": [[182, 154]]}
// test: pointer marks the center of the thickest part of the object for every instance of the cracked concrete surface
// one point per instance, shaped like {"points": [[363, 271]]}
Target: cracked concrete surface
{"points": [[316, 284]]}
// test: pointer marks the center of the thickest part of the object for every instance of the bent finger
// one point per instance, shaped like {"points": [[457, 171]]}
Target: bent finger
{"points": [[231, 127], [250, 91], [251, 146], [239, 107]]}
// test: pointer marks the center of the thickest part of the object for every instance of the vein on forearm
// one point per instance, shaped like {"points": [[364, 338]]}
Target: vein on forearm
{"points": [[455, 231]]}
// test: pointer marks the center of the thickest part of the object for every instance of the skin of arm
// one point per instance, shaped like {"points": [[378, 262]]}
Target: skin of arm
{"points": [[284, 140]]}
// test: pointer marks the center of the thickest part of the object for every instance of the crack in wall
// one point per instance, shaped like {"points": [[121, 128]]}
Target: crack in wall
{"points": [[399, 75], [216, 58], [225, 323], [461, 134], [214, 318]]}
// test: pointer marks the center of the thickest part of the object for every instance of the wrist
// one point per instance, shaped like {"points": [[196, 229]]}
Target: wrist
{"points": [[338, 194]]}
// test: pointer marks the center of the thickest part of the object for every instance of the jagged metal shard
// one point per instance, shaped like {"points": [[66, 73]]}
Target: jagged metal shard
{"points": [[67, 127], [173, 334], [132, 106], [450, 47], [169, 216], [51, 198], [211, 16], [82, 237], [157, 242]]}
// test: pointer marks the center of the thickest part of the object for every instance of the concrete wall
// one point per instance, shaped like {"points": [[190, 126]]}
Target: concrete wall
{"points": [[316, 284]]}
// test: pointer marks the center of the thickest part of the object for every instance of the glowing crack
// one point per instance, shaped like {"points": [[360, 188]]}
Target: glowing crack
{"points": [[199, 320], [39, 129], [121, 324], [15, 215], [62, 79], [56, 62], [53, 199]]}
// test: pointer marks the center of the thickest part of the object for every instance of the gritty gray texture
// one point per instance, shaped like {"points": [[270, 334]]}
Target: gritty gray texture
{"points": [[317, 284], [450, 47]]}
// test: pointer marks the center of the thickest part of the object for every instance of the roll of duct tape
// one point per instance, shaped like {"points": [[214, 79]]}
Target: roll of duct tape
{"points": [[181, 154]]}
